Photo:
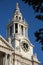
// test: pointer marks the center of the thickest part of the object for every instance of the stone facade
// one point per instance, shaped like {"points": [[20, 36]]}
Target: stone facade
{"points": [[17, 49]]}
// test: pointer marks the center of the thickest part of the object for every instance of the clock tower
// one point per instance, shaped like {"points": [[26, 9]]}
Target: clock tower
{"points": [[17, 36]]}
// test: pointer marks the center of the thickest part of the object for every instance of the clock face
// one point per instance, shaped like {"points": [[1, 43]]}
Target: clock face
{"points": [[25, 46]]}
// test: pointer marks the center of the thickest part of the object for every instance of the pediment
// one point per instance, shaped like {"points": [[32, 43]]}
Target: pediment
{"points": [[5, 44]]}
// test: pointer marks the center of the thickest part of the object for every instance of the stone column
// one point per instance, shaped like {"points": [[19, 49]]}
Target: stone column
{"points": [[14, 28], [15, 62], [27, 32], [5, 59], [24, 31], [18, 29], [10, 60]]}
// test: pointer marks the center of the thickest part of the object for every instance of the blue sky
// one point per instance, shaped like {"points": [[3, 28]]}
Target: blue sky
{"points": [[6, 12]]}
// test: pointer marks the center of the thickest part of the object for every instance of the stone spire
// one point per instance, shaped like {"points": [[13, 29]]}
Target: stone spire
{"points": [[17, 13], [17, 6]]}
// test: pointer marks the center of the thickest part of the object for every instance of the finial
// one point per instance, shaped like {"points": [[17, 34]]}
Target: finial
{"points": [[17, 6], [17, 3]]}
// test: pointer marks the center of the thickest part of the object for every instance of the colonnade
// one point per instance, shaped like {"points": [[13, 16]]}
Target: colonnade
{"points": [[5, 59]]}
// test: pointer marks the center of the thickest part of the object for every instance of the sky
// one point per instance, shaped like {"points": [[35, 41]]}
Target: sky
{"points": [[7, 8]]}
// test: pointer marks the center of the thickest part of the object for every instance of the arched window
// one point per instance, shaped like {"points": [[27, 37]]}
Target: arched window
{"points": [[22, 30], [16, 28]]}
